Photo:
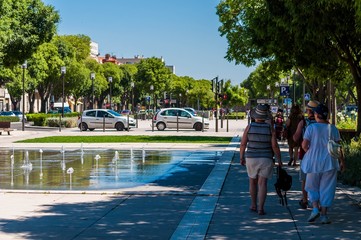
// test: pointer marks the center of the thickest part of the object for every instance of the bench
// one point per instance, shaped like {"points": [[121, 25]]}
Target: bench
{"points": [[5, 127]]}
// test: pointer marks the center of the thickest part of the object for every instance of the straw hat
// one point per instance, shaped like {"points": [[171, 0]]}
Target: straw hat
{"points": [[260, 112], [312, 105]]}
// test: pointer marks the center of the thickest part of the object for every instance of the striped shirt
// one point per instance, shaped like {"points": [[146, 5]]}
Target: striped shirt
{"points": [[259, 141]]}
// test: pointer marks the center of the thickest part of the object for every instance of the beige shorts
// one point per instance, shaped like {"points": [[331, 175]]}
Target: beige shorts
{"points": [[259, 167]]}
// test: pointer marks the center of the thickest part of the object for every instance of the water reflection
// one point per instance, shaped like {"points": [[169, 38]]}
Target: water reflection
{"points": [[90, 169]]}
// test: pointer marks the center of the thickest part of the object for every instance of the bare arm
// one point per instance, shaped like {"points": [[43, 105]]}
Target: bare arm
{"points": [[276, 148], [298, 133], [342, 160], [305, 145], [242, 148]]}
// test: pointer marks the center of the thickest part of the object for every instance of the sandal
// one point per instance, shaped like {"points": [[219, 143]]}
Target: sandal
{"points": [[261, 212], [253, 209], [303, 204], [290, 162]]}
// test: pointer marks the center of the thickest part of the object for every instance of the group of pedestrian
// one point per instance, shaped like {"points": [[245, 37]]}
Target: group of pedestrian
{"points": [[307, 138]]}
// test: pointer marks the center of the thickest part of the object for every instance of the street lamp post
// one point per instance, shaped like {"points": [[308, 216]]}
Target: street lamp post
{"points": [[92, 77], [110, 79], [277, 85], [152, 90], [63, 71], [132, 86], [24, 66]]}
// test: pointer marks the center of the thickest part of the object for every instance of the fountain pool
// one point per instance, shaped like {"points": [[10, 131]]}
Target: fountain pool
{"points": [[91, 169]]}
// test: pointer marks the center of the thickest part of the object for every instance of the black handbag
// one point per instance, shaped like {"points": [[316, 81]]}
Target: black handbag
{"points": [[283, 183]]}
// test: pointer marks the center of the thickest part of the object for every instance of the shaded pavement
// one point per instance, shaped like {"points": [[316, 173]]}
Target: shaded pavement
{"points": [[206, 201]]}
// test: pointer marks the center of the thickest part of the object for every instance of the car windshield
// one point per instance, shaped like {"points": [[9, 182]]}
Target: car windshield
{"points": [[192, 111], [114, 113]]}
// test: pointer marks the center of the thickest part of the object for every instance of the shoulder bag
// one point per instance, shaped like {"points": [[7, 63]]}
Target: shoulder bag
{"points": [[332, 146]]}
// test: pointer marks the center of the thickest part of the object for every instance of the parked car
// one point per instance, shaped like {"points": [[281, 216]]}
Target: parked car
{"points": [[58, 108], [191, 110], [125, 112], [7, 114], [167, 118], [20, 115], [95, 118]]}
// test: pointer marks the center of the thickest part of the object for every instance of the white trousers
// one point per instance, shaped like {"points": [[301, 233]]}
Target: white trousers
{"points": [[322, 187]]}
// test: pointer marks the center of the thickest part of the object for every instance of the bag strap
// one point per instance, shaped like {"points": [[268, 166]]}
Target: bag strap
{"points": [[329, 131]]}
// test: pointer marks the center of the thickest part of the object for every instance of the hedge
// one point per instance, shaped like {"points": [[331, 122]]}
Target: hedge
{"points": [[9, 119]]}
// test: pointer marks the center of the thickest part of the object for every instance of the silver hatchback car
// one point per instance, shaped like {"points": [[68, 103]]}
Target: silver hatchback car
{"points": [[109, 119], [181, 118]]}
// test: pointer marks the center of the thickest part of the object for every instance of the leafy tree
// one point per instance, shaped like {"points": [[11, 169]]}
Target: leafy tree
{"points": [[25, 25], [129, 72], [306, 33], [44, 69], [179, 88], [13, 78], [201, 94], [73, 51], [94, 67], [236, 96], [111, 70], [77, 81], [80, 46], [152, 72]]}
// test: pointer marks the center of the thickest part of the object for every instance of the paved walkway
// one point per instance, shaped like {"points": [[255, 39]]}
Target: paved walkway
{"points": [[205, 202]]}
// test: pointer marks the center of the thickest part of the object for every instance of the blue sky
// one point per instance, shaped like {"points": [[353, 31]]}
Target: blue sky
{"points": [[183, 32]]}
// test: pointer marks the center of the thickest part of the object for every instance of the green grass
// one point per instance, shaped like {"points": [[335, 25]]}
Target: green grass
{"points": [[120, 139]]}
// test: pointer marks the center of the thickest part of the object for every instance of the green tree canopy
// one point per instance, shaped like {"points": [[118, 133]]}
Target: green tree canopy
{"points": [[25, 24], [317, 33]]}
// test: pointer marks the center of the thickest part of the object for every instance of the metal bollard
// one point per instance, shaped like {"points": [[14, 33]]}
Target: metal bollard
{"points": [[227, 123], [103, 123], [128, 122], [203, 122], [136, 120], [81, 122], [152, 125], [177, 122], [59, 123], [222, 117]]}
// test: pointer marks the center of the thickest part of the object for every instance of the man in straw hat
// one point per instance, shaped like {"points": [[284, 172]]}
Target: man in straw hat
{"points": [[298, 137], [260, 140]]}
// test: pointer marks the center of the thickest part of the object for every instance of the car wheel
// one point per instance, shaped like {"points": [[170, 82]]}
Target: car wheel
{"points": [[83, 126], [91, 129], [160, 126], [119, 126], [198, 126]]}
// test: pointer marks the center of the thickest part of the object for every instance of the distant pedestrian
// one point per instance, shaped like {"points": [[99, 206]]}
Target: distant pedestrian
{"points": [[320, 167], [298, 137], [279, 122], [259, 138], [291, 126]]}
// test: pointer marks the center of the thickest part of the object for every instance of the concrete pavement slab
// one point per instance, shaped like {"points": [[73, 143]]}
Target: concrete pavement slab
{"points": [[160, 209]]}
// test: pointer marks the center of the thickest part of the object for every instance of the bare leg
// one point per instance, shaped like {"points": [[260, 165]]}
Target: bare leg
{"points": [[253, 192], [295, 156], [323, 210], [304, 192], [290, 152], [262, 192]]}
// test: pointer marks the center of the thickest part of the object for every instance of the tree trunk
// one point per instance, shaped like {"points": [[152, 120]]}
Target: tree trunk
{"points": [[356, 73], [31, 102]]}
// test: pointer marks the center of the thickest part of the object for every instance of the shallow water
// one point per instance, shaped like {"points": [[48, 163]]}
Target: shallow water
{"points": [[92, 169]]}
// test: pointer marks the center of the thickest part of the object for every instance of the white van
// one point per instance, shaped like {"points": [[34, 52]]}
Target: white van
{"points": [[57, 108]]}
